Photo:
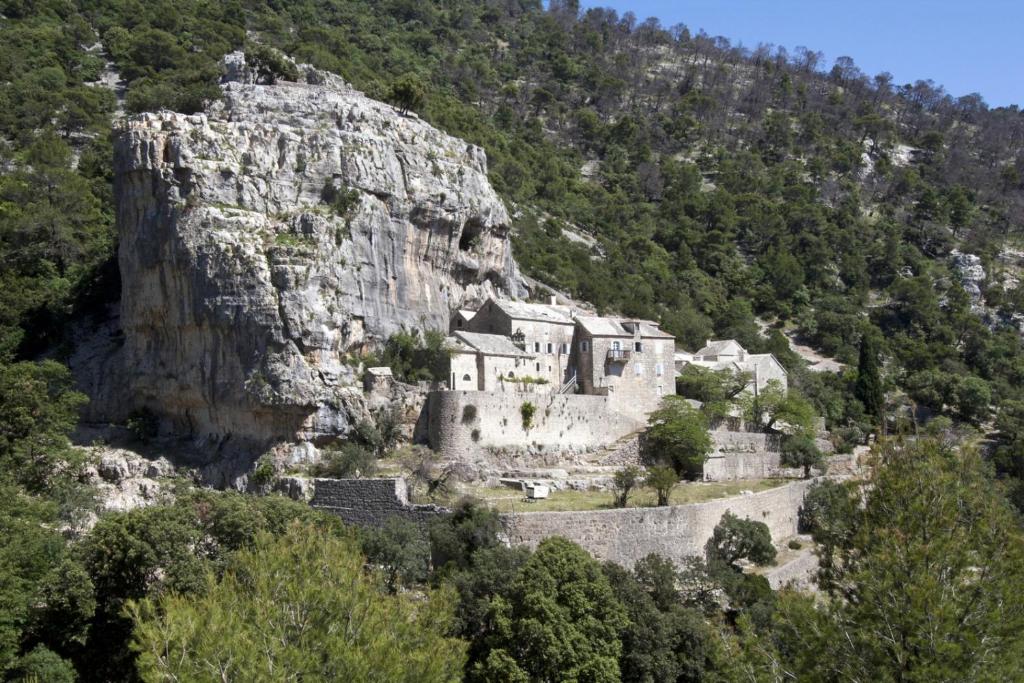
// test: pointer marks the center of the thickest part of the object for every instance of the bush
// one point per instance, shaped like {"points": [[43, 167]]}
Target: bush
{"points": [[829, 512], [662, 479], [341, 201], [270, 65], [735, 539], [143, 425], [264, 473], [346, 461], [527, 411], [795, 544], [624, 481]]}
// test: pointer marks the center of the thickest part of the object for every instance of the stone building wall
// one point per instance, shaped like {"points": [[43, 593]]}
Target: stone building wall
{"points": [[370, 502], [742, 455], [569, 422], [676, 532], [635, 385], [548, 341]]}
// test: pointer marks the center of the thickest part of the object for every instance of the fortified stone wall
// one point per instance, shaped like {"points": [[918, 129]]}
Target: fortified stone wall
{"points": [[676, 532], [370, 502], [464, 424]]}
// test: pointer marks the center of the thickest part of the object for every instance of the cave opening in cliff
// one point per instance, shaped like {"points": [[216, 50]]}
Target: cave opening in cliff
{"points": [[470, 236]]}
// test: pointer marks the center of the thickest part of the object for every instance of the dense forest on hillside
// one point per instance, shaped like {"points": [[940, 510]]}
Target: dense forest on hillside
{"points": [[719, 183], [652, 171]]}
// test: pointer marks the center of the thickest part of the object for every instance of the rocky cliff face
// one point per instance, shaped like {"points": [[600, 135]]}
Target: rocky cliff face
{"points": [[266, 241]]}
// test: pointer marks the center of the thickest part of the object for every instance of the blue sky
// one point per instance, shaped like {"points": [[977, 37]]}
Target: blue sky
{"points": [[965, 45]]}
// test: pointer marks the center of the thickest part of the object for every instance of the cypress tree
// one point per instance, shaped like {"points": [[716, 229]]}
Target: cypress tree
{"points": [[869, 382]]}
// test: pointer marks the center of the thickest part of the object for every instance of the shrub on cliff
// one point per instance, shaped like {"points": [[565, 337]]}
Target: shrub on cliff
{"points": [[346, 461]]}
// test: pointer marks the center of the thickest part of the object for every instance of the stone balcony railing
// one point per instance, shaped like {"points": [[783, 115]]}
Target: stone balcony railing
{"points": [[619, 355]]}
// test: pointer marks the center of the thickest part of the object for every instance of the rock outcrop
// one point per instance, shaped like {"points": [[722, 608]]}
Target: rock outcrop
{"points": [[267, 241]]}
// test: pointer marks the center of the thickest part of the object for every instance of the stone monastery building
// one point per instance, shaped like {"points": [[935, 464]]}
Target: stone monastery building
{"points": [[543, 378], [729, 355], [548, 348]]}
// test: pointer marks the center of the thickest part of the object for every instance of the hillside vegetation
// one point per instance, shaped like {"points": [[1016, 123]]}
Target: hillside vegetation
{"points": [[652, 171]]}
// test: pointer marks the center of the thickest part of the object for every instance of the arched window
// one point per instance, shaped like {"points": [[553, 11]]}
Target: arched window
{"points": [[511, 375], [466, 378]]}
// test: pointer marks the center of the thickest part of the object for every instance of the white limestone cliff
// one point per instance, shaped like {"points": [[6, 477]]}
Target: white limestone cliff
{"points": [[245, 293]]}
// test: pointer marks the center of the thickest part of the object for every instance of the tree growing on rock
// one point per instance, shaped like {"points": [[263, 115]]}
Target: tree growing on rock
{"points": [[408, 93]]}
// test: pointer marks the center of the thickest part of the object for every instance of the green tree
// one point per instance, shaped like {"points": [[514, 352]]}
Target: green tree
{"points": [[678, 436], [401, 550], [560, 621], [799, 450], [735, 539], [408, 92], [662, 479], [244, 625], [776, 408], [38, 409], [924, 589], [624, 481], [868, 387]]}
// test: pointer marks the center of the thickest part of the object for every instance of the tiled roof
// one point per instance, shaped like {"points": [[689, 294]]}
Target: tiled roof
{"points": [[713, 348], [490, 344], [602, 327], [520, 310], [612, 327]]}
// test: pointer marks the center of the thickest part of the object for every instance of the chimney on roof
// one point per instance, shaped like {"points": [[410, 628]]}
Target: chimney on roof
{"points": [[554, 300]]}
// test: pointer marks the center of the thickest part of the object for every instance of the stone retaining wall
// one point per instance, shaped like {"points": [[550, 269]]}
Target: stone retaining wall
{"points": [[676, 532], [466, 424], [370, 502]]}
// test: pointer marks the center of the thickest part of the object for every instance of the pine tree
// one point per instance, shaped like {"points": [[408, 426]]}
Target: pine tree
{"points": [[869, 381]]}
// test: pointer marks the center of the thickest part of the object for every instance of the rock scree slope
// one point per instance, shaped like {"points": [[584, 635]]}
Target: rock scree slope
{"points": [[266, 240]]}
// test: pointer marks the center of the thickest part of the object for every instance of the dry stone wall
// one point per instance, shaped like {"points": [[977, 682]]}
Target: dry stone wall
{"points": [[676, 532], [465, 425], [370, 502]]}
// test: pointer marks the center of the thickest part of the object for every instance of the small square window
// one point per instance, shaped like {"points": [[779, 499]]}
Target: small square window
{"points": [[584, 346], [638, 346]]}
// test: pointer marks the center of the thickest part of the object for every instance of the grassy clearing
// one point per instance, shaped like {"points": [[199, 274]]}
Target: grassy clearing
{"points": [[509, 500]]}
